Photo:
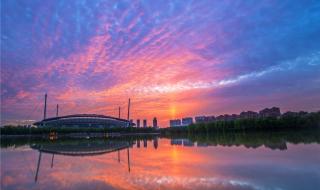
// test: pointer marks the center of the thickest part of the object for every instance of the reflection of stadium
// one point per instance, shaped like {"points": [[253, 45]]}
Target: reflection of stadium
{"points": [[86, 148], [81, 149], [83, 120]]}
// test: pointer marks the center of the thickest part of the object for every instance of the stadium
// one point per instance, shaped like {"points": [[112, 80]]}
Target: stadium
{"points": [[83, 120]]}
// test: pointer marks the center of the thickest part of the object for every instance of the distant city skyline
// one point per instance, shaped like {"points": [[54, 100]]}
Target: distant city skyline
{"points": [[173, 59]]}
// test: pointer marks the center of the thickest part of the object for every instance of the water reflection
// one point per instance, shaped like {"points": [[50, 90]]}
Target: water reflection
{"points": [[221, 161], [80, 148], [145, 142]]}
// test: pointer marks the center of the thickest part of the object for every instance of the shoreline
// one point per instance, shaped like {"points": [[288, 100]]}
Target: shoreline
{"points": [[78, 135]]}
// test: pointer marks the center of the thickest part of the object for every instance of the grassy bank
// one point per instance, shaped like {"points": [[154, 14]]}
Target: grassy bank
{"points": [[11, 130]]}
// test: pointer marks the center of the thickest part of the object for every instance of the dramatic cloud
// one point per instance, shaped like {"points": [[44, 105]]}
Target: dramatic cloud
{"points": [[172, 59]]}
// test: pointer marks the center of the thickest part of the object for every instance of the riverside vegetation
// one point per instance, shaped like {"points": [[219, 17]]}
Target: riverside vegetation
{"points": [[294, 122]]}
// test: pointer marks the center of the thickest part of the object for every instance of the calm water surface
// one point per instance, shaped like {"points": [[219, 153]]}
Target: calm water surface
{"points": [[160, 163]]}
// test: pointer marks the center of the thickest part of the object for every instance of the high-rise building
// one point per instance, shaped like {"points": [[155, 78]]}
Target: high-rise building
{"points": [[201, 119], [272, 112], [144, 123], [175, 123], [187, 121], [138, 123], [155, 123], [249, 115]]}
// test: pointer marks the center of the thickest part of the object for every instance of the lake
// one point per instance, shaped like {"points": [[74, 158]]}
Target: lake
{"points": [[224, 161]]}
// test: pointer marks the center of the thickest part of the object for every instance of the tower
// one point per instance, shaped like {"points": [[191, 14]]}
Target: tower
{"points": [[45, 107], [144, 123], [57, 113], [155, 122], [129, 109], [138, 123], [129, 124]]}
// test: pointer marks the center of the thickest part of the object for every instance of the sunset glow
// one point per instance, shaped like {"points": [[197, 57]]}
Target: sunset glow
{"points": [[172, 58]]}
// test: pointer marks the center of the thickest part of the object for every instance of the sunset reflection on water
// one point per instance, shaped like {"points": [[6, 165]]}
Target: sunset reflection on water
{"points": [[164, 164]]}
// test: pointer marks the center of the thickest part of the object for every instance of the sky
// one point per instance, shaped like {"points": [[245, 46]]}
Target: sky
{"points": [[172, 58]]}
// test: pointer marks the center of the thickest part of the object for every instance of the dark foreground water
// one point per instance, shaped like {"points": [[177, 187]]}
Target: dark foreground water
{"points": [[220, 162]]}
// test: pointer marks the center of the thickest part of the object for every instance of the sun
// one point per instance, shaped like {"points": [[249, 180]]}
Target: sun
{"points": [[173, 111]]}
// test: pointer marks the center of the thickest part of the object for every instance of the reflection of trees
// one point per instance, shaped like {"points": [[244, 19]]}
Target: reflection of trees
{"points": [[252, 139], [272, 140]]}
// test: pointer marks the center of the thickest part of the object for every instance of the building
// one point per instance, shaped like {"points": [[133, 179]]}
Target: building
{"points": [[211, 118], [138, 123], [144, 123], [220, 118], [175, 123], [249, 115], [204, 119], [270, 112], [155, 123], [234, 117], [83, 120], [187, 121], [201, 119]]}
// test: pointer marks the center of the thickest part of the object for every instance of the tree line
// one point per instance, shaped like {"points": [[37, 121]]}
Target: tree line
{"points": [[310, 120]]}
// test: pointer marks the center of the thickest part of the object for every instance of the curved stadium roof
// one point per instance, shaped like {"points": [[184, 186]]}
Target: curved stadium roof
{"points": [[89, 120]]}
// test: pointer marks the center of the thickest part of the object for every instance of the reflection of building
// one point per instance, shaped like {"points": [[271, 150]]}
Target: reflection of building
{"points": [[278, 145], [138, 123], [175, 123], [184, 142], [138, 143], [187, 142], [270, 112], [145, 143], [155, 123], [202, 144], [144, 123], [187, 121], [155, 142], [176, 141]]}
